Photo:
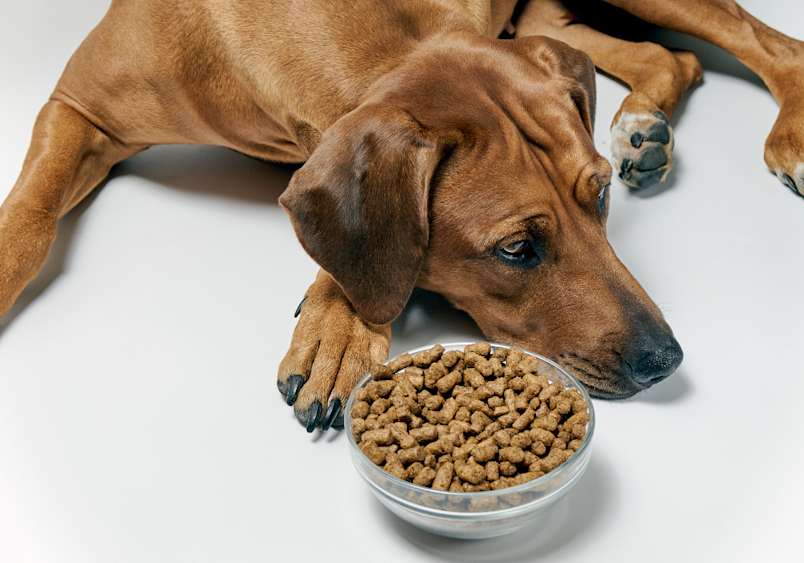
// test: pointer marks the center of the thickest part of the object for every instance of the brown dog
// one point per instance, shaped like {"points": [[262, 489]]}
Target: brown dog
{"points": [[436, 155]]}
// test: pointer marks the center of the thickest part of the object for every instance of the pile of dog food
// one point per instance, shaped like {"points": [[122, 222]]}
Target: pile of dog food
{"points": [[467, 421]]}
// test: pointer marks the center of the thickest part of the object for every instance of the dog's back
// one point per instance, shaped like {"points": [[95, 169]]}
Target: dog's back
{"points": [[260, 77]]}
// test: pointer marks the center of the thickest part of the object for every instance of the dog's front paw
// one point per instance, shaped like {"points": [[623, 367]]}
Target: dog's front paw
{"points": [[784, 149], [642, 146], [331, 350]]}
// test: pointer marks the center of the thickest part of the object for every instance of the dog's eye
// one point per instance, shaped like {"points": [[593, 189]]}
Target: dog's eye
{"points": [[515, 248], [601, 200], [521, 253]]}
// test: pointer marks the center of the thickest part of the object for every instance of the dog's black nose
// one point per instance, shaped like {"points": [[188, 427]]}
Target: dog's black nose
{"points": [[650, 364]]}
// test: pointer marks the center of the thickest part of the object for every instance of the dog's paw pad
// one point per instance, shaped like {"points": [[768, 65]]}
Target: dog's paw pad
{"points": [[642, 146]]}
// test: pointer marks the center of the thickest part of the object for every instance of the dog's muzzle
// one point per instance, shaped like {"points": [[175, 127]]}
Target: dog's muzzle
{"points": [[649, 364]]}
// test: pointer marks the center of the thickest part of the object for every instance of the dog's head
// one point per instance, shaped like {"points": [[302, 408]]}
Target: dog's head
{"points": [[471, 171]]}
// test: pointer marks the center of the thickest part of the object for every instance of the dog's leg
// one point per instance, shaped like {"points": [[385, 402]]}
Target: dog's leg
{"points": [[642, 139], [67, 158], [776, 58], [330, 351]]}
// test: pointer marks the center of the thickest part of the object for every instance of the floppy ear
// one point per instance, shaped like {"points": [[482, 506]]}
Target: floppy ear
{"points": [[569, 62], [359, 206]]}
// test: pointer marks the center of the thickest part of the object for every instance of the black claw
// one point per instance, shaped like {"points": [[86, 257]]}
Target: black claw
{"points": [[651, 158], [315, 414], [625, 168], [660, 115], [333, 410], [636, 140], [659, 133], [294, 384], [298, 309]]}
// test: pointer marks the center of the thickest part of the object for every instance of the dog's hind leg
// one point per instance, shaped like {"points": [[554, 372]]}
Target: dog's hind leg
{"points": [[642, 139], [776, 58], [67, 158]]}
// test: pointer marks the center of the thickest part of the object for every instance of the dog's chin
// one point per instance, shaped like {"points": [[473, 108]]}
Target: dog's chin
{"points": [[600, 383]]}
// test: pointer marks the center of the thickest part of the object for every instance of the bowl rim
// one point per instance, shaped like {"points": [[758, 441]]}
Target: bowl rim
{"points": [[574, 460]]}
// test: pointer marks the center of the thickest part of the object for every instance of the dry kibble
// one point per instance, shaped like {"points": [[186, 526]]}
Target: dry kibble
{"points": [[424, 359], [380, 406], [485, 451], [574, 445], [448, 411], [473, 378], [433, 374], [553, 389], [381, 371], [360, 409], [373, 452], [411, 455], [381, 436], [538, 448], [467, 421], [512, 454], [426, 433], [463, 414], [470, 471], [425, 477], [358, 427], [446, 383], [414, 469], [507, 469], [400, 362], [434, 402], [443, 477], [480, 348], [450, 358]]}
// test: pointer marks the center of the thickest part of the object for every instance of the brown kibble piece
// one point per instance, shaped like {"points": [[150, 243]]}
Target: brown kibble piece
{"points": [[433, 374], [450, 358], [373, 452], [448, 411], [425, 477], [381, 371], [470, 471], [380, 406], [358, 427], [400, 363], [424, 359], [446, 383], [443, 477], [381, 436], [507, 469], [553, 389], [414, 469], [574, 445], [481, 348], [426, 433], [473, 378], [360, 409], [524, 420], [512, 454], [410, 455], [485, 451]]}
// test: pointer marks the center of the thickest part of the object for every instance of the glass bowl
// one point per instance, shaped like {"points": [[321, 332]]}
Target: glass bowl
{"points": [[482, 514]]}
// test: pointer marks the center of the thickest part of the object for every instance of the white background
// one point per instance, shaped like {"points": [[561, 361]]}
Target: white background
{"points": [[139, 416]]}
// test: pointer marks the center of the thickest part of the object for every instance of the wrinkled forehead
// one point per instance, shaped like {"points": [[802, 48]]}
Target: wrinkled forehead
{"points": [[509, 182]]}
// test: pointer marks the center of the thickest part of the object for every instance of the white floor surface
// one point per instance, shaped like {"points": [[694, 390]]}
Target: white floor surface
{"points": [[139, 415]]}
